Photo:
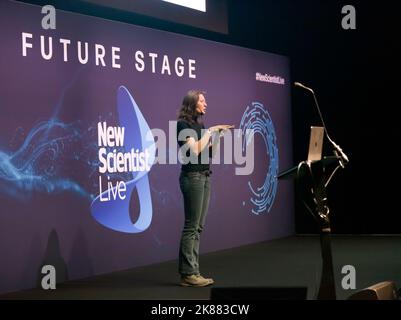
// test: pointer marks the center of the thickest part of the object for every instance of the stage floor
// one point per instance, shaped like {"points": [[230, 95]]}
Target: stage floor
{"points": [[289, 262]]}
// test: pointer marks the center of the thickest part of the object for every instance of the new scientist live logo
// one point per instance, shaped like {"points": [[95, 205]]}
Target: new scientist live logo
{"points": [[128, 148]]}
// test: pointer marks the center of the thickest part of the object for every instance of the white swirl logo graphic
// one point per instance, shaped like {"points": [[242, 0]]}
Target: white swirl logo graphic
{"points": [[111, 208]]}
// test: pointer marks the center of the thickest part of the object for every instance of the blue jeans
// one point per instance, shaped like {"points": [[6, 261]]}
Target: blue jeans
{"points": [[195, 187]]}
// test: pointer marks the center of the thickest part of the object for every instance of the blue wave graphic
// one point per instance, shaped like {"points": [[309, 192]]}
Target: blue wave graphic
{"points": [[36, 165]]}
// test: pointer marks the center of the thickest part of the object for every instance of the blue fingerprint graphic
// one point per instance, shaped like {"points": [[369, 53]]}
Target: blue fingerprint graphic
{"points": [[115, 213], [36, 166], [257, 118]]}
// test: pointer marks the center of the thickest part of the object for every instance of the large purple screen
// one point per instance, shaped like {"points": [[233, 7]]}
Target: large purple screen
{"points": [[82, 96]]}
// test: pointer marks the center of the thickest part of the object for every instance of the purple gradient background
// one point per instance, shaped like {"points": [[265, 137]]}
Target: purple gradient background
{"points": [[30, 89]]}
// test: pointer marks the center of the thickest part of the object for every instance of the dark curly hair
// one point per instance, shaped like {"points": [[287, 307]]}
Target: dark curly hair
{"points": [[188, 108]]}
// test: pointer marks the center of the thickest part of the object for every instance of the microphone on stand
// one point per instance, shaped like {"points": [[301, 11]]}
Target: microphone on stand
{"points": [[338, 151], [298, 84]]}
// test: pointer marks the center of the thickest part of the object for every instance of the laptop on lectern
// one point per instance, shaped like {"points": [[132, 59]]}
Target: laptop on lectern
{"points": [[314, 153], [315, 143]]}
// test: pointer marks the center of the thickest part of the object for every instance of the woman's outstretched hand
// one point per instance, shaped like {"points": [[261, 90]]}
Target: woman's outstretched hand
{"points": [[221, 127]]}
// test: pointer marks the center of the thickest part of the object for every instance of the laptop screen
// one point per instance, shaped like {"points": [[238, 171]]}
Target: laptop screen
{"points": [[316, 143]]}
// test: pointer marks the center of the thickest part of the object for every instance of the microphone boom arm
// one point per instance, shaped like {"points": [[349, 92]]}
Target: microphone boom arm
{"points": [[338, 151]]}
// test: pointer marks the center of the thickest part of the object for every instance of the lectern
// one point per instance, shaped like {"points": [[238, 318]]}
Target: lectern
{"points": [[312, 179]]}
